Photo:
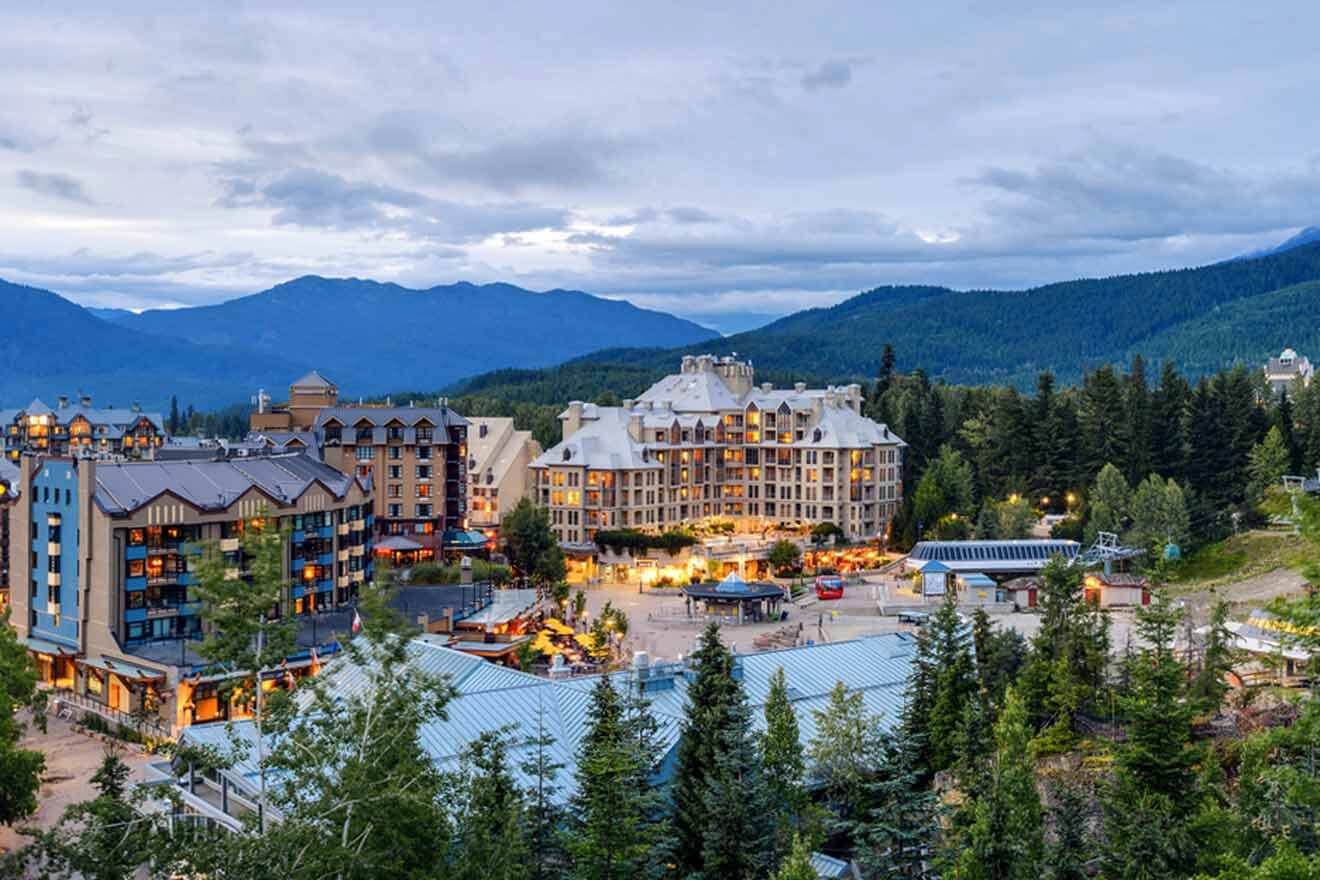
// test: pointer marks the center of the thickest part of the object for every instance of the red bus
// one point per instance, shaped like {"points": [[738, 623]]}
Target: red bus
{"points": [[829, 586]]}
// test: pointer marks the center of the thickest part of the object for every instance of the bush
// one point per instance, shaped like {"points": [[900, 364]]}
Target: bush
{"points": [[439, 573]]}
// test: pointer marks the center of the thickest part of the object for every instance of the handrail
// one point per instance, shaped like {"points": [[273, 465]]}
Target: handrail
{"points": [[144, 726]]}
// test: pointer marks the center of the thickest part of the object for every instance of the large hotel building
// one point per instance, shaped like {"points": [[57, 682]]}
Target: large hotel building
{"points": [[710, 442]]}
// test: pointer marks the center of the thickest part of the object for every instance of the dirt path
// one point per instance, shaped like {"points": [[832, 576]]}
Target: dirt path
{"points": [[72, 758]]}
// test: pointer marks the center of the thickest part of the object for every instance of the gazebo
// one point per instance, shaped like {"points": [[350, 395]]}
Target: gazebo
{"points": [[735, 597], [403, 551]]}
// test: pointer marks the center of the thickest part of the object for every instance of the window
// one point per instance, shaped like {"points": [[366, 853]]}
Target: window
{"points": [[423, 453], [395, 490], [395, 472], [423, 511], [394, 510], [365, 453], [423, 472], [396, 453], [423, 490]]}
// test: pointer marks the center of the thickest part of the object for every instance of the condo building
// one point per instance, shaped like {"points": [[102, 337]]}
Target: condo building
{"points": [[415, 456], [82, 430], [708, 442], [102, 559], [499, 461]]}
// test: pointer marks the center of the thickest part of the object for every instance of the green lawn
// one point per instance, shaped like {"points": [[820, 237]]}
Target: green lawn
{"points": [[1241, 556]]}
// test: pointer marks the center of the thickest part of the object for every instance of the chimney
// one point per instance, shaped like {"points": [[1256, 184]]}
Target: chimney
{"points": [[136, 407], [799, 387], [63, 401], [572, 419], [85, 400], [767, 387], [635, 426], [689, 364], [628, 403]]}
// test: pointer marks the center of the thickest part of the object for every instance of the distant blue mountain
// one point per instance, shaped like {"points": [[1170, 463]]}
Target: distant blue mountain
{"points": [[372, 338], [1309, 235], [51, 346]]}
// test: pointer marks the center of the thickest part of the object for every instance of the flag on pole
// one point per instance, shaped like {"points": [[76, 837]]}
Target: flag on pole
{"points": [[357, 622]]}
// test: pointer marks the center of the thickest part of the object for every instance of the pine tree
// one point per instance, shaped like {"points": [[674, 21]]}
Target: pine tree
{"points": [[1070, 847], [1286, 421], [953, 687], [843, 752], [896, 833], [739, 842], [20, 768], [611, 833], [488, 839], [1104, 425], [781, 756], [1167, 430], [1158, 754], [1270, 459], [1210, 685], [544, 815], [712, 696], [1004, 840], [1138, 410], [1111, 499], [174, 424]]}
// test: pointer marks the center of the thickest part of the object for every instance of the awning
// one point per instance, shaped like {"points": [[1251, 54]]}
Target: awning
{"points": [[397, 543], [458, 539], [122, 668], [41, 646]]}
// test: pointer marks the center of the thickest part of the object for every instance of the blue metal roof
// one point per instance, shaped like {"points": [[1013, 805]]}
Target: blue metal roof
{"points": [[491, 696]]}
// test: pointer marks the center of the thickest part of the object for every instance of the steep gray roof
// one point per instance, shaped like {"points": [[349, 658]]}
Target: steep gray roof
{"points": [[313, 380], [602, 444], [378, 416], [691, 392], [122, 488]]}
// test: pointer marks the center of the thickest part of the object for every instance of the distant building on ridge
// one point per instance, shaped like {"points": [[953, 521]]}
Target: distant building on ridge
{"points": [[1282, 371]]}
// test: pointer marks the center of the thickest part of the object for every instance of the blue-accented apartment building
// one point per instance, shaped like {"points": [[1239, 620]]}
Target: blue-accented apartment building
{"points": [[110, 609]]}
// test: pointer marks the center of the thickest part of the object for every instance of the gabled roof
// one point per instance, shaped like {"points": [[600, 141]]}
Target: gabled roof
{"points": [[691, 392], [602, 443], [124, 487]]}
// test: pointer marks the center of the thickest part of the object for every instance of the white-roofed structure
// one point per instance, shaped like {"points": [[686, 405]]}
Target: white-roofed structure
{"points": [[708, 442]]}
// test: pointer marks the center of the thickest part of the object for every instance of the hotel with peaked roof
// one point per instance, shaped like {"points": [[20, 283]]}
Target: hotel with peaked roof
{"points": [[708, 442], [80, 429]]}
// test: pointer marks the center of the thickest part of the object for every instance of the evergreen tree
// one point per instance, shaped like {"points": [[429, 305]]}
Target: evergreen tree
{"points": [[1286, 421], [1270, 459], [1210, 685], [953, 686], [1158, 754], [1070, 847], [712, 698], [738, 841], [1168, 424], [611, 832], [1138, 410], [488, 838], [543, 816], [896, 833], [1104, 423], [531, 545], [781, 756], [1005, 840], [174, 423], [843, 753]]}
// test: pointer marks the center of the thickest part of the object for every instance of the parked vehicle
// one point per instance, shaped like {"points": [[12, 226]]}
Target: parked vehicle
{"points": [[829, 587], [916, 618]]}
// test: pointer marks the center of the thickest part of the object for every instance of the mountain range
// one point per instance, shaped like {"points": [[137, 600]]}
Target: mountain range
{"points": [[370, 338], [374, 338], [1202, 319]]}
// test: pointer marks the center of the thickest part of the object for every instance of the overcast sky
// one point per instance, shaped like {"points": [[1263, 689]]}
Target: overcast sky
{"points": [[717, 160]]}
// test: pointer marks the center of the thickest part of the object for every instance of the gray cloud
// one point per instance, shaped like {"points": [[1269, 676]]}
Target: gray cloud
{"points": [[312, 198], [834, 74], [53, 184]]}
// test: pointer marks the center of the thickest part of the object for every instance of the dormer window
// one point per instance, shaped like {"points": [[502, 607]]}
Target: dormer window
{"points": [[816, 435], [568, 454]]}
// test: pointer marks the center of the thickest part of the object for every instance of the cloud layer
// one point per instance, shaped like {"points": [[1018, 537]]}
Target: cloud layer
{"points": [[679, 158]]}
